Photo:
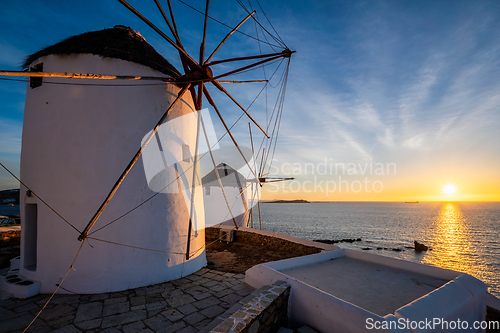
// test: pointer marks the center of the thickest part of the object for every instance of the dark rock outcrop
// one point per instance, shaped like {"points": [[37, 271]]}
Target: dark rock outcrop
{"points": [[419, 247], [333, 241]]}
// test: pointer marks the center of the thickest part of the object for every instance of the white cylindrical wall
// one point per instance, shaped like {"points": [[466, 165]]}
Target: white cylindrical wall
{"points": [[77, 140]]}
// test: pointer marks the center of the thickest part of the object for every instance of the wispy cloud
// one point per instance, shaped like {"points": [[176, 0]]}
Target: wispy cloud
{"points": [[370, 81], [11, 56]]}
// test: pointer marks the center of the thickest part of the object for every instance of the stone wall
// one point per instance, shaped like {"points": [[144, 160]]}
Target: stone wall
{"points": [[272, 243], [265, 312]]}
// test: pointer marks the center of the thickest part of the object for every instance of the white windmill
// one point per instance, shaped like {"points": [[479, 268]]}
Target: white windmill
{"points": [[81, 138]]}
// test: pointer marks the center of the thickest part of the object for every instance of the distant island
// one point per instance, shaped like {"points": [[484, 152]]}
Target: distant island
{"points": [[289, 201], [8, 197]]}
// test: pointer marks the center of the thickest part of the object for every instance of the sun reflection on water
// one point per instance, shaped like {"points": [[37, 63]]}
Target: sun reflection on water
{"points": [[452, 243]]}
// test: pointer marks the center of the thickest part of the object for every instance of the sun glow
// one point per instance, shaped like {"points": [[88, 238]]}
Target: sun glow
{"points": [[449, 189]]}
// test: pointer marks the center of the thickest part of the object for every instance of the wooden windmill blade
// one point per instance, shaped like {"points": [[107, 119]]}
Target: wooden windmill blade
{"points": [[181, 50], [202, 71]]}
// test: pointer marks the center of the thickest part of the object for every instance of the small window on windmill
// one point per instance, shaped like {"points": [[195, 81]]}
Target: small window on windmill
{"points": [[36, 81], [186, 155], [226, 235]]}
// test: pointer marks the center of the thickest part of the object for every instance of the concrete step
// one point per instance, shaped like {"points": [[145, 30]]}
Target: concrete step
{"points": [[18, 286]]}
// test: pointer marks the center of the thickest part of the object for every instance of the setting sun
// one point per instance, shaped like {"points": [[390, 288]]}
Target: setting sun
{"points": [[449, 189]]}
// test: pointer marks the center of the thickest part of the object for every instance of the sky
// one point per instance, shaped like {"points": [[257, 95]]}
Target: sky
{"points": [[385, 100]]}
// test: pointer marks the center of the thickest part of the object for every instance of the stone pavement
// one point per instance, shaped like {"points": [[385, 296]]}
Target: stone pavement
{"points": [[197, 302]]}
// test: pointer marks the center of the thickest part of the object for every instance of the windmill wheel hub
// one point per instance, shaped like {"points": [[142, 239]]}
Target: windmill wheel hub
{"points": [[202, 74], [208, 72]]}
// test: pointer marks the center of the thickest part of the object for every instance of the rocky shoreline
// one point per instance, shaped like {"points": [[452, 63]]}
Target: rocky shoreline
{"points": [[418, 247]]}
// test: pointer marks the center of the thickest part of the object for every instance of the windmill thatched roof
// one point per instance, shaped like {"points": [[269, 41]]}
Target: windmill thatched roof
{"points": [[119, 42], [228, 176]]}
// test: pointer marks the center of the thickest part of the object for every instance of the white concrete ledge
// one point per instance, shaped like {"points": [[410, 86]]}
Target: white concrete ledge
{"points": [[310, 306], [19, 290], [463, 297], [450, 303], [431, 271]]}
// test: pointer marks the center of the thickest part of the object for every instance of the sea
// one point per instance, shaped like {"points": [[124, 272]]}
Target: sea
{"points": [[463, 236], [6, 210]]}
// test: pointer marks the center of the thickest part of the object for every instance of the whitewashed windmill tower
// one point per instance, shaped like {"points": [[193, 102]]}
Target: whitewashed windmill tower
{"points": [[93, 101], [77, 138]]}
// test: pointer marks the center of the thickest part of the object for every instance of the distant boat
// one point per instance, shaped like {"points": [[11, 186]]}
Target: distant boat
{"points": [[412, 202]]}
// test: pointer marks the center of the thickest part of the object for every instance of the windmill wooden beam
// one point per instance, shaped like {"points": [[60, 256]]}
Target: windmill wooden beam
{"points": [[285, 54], [190, 60], [202, 46], [217, 172], [246, 81], [193, 183], [115, 77], [210, 100], [172, 30], [227, 36], [247, 67], [221, 88], [173, 20], [274, 179], [86, 76]]}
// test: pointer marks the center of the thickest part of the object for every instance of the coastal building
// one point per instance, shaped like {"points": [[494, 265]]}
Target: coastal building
{"points": [[234, 186], [78, 137]]}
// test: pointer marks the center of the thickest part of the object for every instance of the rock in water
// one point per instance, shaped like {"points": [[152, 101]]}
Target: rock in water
{"points": [[419, 247]]}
